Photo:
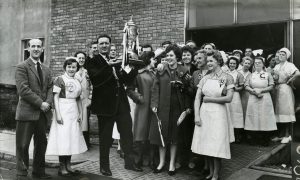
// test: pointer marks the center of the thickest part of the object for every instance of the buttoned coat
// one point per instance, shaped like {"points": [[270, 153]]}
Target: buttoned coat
{"points": [[31, 92], [107, 91], [161, 99]]}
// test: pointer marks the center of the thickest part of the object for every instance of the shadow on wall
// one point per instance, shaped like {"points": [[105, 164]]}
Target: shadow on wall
{"points": [[8, 104]]}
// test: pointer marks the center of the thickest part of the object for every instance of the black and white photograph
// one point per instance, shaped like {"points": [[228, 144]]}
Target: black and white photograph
{"points": [[150, 89]]}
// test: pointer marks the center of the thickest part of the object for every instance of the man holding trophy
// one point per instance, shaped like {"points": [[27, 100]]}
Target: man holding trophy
{"points": [[110, 103]]}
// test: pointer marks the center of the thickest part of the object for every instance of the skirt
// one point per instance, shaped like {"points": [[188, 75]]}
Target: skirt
{"points": [[66, 139], [212, 138], [236, 111], [260, 114], [284, 104]]}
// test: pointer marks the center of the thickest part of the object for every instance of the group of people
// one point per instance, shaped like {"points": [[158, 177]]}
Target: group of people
{"points": [[189, 101]]}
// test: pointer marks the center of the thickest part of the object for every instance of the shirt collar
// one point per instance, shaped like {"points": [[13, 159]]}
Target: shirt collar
{"points": [[35, 61], [218, 74], [104, 56]]}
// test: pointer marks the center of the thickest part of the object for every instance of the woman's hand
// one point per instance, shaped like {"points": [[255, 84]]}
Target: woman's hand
{"points": [[88, 103], [206, 99], [198, 121], [79, 118], [154, 109], [59, 121]]}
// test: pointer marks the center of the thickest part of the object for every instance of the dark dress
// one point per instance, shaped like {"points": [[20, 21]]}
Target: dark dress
{"points": [[170, 100]]}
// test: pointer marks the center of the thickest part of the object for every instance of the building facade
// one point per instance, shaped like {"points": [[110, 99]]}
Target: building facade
{"points": [[66, 26]]}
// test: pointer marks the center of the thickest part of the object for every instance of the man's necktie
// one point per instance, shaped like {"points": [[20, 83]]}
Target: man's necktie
{"points": [[40, 72]]}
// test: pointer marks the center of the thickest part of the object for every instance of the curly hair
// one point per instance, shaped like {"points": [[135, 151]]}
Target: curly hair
{"points": [[70, 61], [176, 49], [201, 51], [146, 57], [235, 59], [188, 49], [217, 56]]}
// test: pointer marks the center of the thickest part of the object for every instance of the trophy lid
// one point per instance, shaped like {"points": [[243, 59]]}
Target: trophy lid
{"points": [[130, 22]]}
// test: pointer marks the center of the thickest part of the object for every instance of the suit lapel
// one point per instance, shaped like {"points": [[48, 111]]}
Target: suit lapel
{"points": [[33, 69]]}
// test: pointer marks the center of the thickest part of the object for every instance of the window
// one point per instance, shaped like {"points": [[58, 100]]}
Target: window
{"points": [[25, 51]]}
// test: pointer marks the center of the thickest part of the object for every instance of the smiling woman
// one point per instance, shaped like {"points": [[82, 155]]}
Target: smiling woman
{"points": [[65, 137], [214, 90]]}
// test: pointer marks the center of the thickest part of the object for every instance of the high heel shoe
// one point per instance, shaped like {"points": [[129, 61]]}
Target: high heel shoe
{"points": [[156, 171], [172, 173]]}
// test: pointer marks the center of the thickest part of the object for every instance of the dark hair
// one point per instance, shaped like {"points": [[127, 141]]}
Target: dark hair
{"points": [[217, 56], [160, 56], [166, 42], [188, 49], [147, 46], [104, 36], [268, 60], [176, 49], [146, 57], [94, 42], [70, 61], [235, 59], [80, 52]]}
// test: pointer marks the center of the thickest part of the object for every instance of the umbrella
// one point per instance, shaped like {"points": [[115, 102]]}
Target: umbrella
{"points": [[159, 129]]}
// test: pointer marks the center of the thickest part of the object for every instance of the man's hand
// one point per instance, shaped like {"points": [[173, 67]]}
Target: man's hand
{"points": [[114, 62], [45, 107]]}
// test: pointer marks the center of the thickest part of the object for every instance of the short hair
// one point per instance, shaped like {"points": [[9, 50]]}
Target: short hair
{"points": [[146, 57], [34, 39], [112, 44], [201, 51], [247, 58], [176, 49], [166, 42], [94, 42], [187, 48], [104, 36], [217, 56], [235, 59], [188, 41], [268, 60], [211, 44], [147, 46], [71, 61], [80, 52]]}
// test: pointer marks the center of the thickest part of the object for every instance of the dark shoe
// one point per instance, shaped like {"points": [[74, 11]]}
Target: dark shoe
{"points": [[156, 171], [121, 153], [105, 171], [133, 167], [172, 173], [41, 176], [64, 174], [74, 172]]}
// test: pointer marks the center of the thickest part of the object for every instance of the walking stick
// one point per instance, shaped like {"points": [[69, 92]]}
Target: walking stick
{"points": [[159, 129]]}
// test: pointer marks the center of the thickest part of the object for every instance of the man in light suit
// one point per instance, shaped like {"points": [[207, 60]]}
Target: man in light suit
{"points": [[34, 86]]}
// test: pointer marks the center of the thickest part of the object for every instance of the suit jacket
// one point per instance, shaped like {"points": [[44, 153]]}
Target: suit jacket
{"points": [[108, 94], [31, 92]]}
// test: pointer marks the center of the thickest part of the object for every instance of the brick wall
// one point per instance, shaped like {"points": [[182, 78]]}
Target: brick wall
{"points": [[74, 23], [8, 104]]}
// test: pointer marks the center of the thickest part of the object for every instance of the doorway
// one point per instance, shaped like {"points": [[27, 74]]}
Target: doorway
{"points": [[269, 37]]}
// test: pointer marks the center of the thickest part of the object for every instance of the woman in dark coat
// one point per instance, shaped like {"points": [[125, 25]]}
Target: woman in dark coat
{"points": [[140, 92], [168, 102]]}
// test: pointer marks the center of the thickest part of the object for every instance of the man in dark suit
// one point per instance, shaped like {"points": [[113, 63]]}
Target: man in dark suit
{"points": [[34, 85], [110, 103]]}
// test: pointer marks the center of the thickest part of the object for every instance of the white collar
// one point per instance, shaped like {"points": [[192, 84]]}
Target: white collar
{"points": [[35, 61]]}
